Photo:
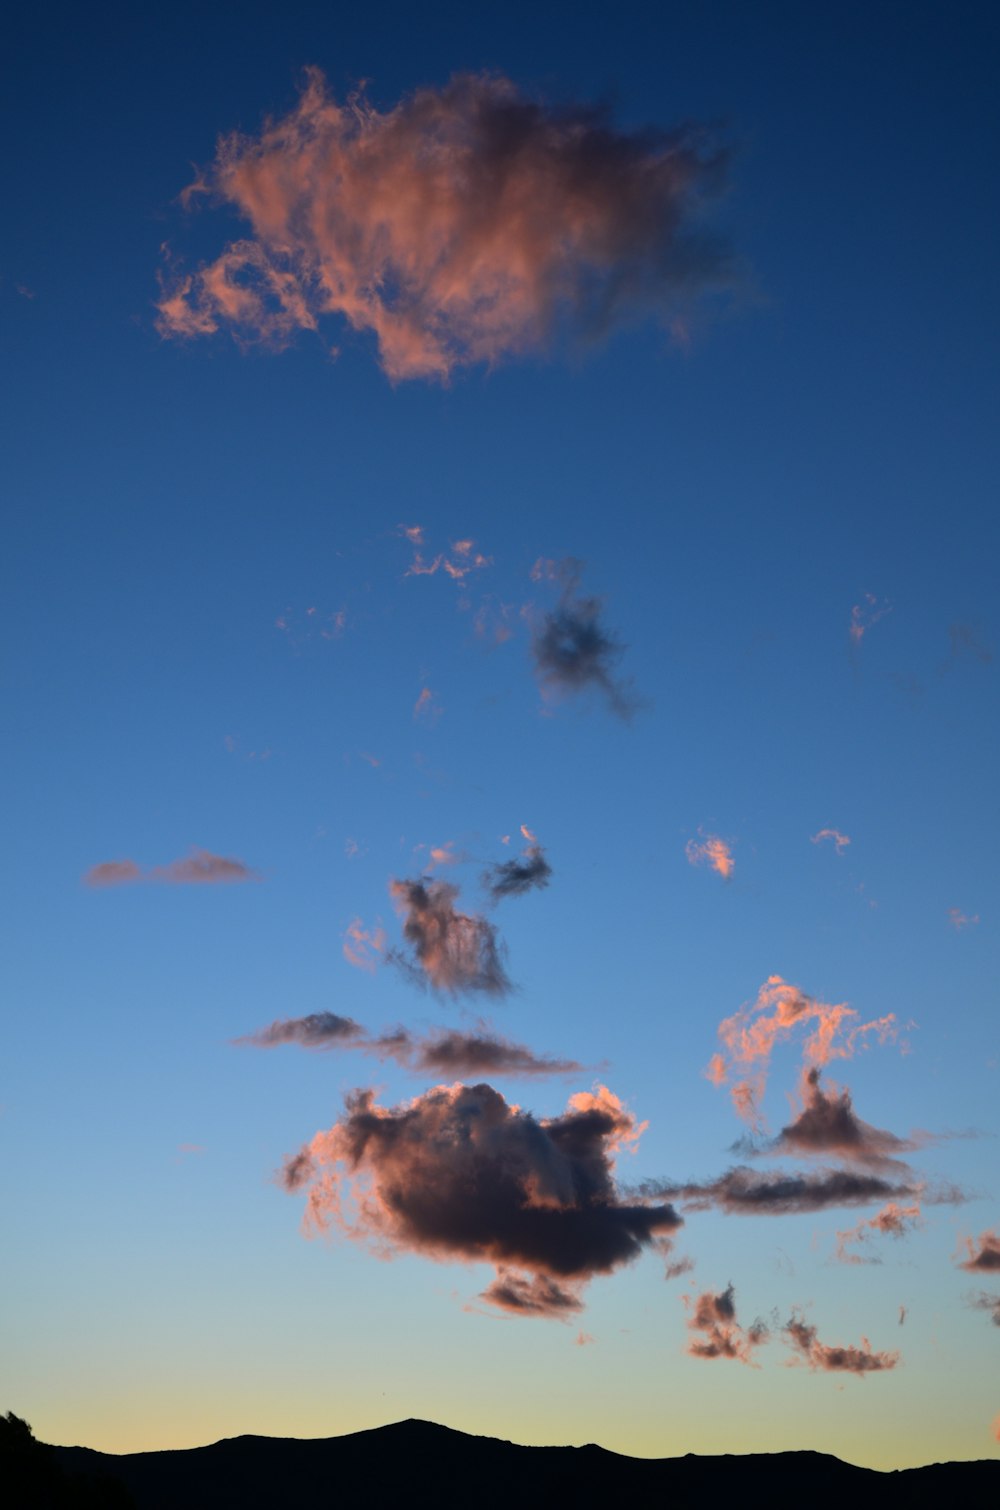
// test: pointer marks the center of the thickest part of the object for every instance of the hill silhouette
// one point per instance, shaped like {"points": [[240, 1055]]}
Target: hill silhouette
{"points": [[421, 1463]]}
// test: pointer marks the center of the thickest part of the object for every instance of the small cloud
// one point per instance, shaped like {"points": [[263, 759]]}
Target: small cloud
{"points": [[984, 1301], [363, 946], [574, 652], [454, 951], [743, 1191], [678, 1268], [533, 1295], [864, 615], [959, 919], [512, 878], [985, 1257], [902, 1315], [583, 1339], [320, 1030], [717, 1332], [712, 851], [200, 867], [828, 1124], [750, 1035], [838, 840], [837, 1359], [426, 709], [965, 642], [190, 1148], [892, 1221], [372, 760]]}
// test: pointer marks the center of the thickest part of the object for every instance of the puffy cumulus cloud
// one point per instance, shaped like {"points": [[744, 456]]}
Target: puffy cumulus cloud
{"points": [[982, 1254], [573, 651], [441, 1052], [892, 1221], [718, 1334], [828, 1124], [780, 1009], [458, 1174], [837, 839], [984, 1301], [864, 615], [747, 1192], [713, 852], [199, 868], [819, 1355], [455, 951], [532, 1294], [462, 226], [319, 1030], [363, 947]]}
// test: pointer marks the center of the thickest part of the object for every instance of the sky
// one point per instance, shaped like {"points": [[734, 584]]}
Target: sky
{"points": [[501, 683]]}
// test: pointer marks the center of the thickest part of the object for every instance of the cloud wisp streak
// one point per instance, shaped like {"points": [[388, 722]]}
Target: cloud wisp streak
{"points": [[465, 225], [454, 952], [199, 868], [443, 1051], [860, 1360], [458, 1174], [743, 1191], [837, 839], [893, 1221]]}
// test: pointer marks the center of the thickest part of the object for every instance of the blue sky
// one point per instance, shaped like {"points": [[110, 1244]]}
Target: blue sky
{"points": [[822, 434]]}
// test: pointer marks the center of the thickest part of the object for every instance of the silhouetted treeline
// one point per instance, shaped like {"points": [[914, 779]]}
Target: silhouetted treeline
{"points": [[32, 1477]]}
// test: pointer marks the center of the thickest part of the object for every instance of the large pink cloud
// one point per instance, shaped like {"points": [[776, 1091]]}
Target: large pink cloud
{"points": [[461, 226], [458, 1174]]}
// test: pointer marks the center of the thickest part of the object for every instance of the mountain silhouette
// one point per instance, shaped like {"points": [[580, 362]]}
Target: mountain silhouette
{"points": [[420, 1463]]}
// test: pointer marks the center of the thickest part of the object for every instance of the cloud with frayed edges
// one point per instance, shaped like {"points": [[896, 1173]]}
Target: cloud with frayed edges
{"points": [[982, 1255], [893, 1221], [454, 952], [443, 1051], [465, 225], [861, 1360], [199, 868], [573, 651], [717, 1332], [459, 1175]]}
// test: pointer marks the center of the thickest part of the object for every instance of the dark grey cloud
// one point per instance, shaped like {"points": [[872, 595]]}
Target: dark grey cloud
{"points": [[828, 1124], [746, 1191], [574, 652], [532, 1295], [514, 877], [455, 952]]}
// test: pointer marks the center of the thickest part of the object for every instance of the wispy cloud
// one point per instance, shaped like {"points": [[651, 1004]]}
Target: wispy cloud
{"points": [[454, 951], [456, 561], [199, 868], [512, 878], [892, 1221], [959, 919], [711, 851], [984, 1257], [859, 1360], [442, 1051], [319, 1030], [459, 1174], [363, 947], [717, 1332], [532, 1294], [984, 1301], [573, 651], [462, 226], [864, 615], [746, 1192], [837, 839], [427, 709], [750, 1035]]}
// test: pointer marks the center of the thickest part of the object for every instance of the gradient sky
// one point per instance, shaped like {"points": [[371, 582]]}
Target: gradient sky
{"points": [[741, 373]]}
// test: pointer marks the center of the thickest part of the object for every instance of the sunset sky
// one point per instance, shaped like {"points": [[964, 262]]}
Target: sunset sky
{"points": [[501, 677]]}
